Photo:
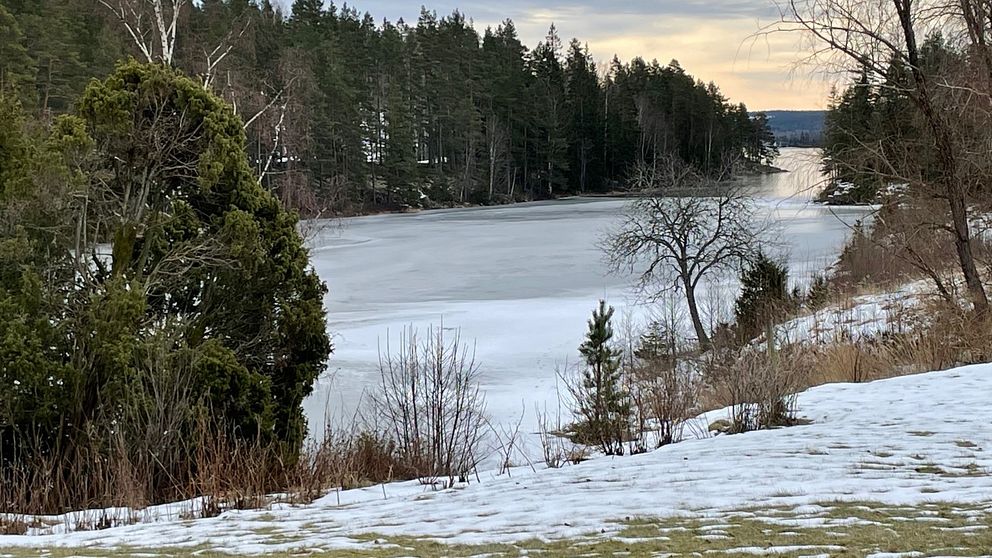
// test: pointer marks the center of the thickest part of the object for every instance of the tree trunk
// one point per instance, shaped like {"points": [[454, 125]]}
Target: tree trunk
{"points": [[697, 322], [492, 171], [951, 187], [583, 166], [962, 243]]}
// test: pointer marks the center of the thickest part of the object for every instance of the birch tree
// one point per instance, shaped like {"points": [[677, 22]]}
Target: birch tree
{"points": [[151, 24]]}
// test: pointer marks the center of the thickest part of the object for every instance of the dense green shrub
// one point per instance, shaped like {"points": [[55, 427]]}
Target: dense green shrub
{"points": [[150, 284]]}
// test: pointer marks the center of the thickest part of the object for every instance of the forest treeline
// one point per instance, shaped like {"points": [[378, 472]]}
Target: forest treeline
{"points": [[350, 114], [876, 136]]}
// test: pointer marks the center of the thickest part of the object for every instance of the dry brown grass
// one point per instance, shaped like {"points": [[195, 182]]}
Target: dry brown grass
{"points": [[11, 524], [933, 334], [938, 336], [226, 473]]}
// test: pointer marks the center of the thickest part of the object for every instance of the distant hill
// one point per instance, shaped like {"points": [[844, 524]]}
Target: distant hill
{"points": [[797, 128]]}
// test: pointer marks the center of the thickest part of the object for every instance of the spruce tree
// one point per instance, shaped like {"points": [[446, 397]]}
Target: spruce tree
{"points": [[604, 404], [549, 129], [584, 114], [764, 296], [16, 66]]}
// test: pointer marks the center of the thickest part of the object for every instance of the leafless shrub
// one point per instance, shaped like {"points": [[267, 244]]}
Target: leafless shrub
{"points": [[556, 448], [659, 365], [430, 404], [668, 390], [553, 439], [507, 443], [901, 244], [759, 387]]}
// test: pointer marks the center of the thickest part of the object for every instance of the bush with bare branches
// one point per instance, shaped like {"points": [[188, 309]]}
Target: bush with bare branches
{"points": [[430, 404], [758, 386], [665, 383]]}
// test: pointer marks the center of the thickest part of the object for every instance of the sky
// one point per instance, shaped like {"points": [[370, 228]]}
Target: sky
{"points": [[714, 40]]}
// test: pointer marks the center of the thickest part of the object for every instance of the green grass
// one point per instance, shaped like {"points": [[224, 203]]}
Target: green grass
{"points": [[838, 529]]}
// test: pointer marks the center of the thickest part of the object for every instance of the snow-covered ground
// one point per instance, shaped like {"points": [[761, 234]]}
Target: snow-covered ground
{"points": [[863, 316], [902, 441]]}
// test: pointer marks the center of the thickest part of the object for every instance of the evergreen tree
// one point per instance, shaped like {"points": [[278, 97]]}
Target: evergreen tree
{"points": [[246, 298], [583, 107], [508, 114], [764, 296], [760, 144], [16, 66], [550, 122], [398, 138], [205, 308], [349, 115], [849, 122], [603, 403]]}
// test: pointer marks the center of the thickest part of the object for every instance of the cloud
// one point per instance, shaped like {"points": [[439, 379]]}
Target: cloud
{"points": [[715, 40]]}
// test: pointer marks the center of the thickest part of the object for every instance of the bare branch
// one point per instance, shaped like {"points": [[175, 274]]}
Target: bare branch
{"points": [[145, 28]]}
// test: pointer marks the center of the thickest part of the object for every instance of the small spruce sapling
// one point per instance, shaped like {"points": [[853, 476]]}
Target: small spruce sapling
{"points": [[602, 402]]}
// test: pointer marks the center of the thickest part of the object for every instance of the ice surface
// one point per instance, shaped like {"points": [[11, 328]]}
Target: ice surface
{"points": [[520, 280]]}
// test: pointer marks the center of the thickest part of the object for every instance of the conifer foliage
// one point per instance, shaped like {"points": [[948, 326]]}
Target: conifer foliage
{"points": [[764, 296], [155, 297], [362, 115]]}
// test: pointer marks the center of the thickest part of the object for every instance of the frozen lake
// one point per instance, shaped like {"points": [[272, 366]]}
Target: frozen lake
{"points": [[519, 280]]}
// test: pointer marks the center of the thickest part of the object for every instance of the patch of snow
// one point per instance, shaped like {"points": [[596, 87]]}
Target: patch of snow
{"points": [[864, 316], [696, 478]]}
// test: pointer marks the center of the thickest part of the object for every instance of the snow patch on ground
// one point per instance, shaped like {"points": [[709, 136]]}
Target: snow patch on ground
{"points": [[902, 441], [864, 316]]}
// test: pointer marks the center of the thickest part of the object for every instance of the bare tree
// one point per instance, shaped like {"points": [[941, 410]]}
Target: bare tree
{"points": [[152, 25], [871, 36], [686, 227]]}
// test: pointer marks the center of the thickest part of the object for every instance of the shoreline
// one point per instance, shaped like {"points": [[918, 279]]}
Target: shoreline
{"points": [[619, 194]]}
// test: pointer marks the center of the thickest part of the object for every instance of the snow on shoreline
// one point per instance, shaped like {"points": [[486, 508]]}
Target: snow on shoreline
{"points": [[862, 317], [906, 440]]}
